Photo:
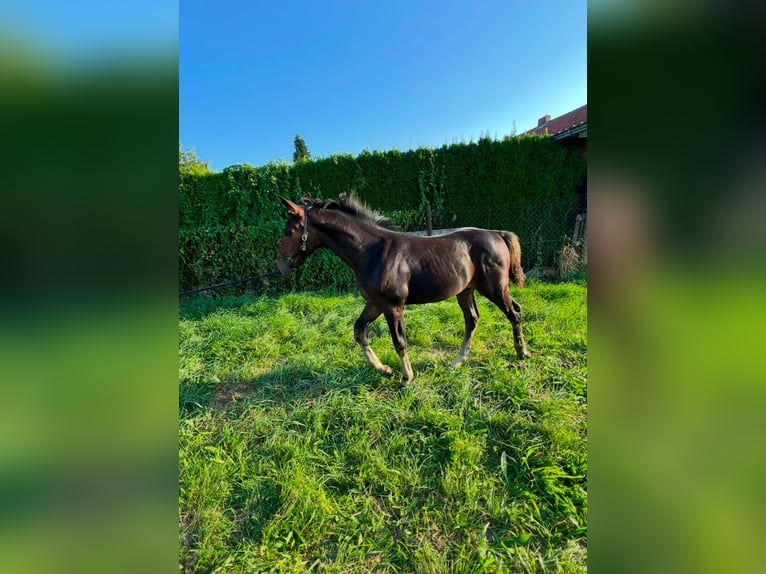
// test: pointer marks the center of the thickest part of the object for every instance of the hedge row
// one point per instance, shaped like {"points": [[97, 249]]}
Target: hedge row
{"points": [[230, 221], [488, 172], [219, 254]]}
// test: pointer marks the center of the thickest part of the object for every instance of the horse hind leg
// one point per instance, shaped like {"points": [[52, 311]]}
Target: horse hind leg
{"points": [[512, 310], [471, 316], [369, 314]]}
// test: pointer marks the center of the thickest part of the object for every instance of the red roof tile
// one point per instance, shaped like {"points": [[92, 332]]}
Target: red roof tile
{"points": [[562, 123]]}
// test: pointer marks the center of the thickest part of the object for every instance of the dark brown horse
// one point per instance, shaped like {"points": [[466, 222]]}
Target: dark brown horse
{"points": [[394, 269]]}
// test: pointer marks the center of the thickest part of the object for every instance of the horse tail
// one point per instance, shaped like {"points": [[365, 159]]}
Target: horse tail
{"points": [[515, 272]]}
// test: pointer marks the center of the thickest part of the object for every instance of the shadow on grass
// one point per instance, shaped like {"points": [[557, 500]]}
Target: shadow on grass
{"points": [[293, 382], [257, 501], [298, 380], [253, 503], [200, 306]]}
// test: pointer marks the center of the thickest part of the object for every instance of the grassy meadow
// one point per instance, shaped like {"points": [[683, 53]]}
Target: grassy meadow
{"points": [[296, 456]]}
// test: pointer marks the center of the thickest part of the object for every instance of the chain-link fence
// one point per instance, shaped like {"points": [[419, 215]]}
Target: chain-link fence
{"points": [[545, 227]]}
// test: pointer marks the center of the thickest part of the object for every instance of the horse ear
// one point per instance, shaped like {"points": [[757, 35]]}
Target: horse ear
{"points": [[290, 206]]}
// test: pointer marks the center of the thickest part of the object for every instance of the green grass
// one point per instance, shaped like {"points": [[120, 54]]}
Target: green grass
{"points": [[296, 456]]}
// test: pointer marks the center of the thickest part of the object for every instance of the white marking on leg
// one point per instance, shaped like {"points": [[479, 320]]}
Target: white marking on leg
{"points": [[407, 373], [374, 361], [460, 359]]}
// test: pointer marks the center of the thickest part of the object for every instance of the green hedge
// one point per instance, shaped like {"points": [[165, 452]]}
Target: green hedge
{"points": [[488, 172], [219, 254], [230, 221]]}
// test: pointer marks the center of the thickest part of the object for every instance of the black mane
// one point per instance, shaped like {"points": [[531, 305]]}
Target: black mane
{"points": [[347, 203]]}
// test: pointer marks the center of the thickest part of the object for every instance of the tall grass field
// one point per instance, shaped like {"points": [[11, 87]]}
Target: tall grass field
{"points": [[296, 456]]}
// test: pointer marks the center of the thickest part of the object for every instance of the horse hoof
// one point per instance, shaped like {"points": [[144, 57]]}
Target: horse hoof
{"points": [[405, 380], [386, 371]]}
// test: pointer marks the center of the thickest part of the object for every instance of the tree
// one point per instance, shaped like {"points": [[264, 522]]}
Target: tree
{"points": [[301, 152], [188, 162]]}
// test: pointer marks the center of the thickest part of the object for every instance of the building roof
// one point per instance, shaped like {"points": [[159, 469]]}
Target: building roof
{"points": [[567, 125]]}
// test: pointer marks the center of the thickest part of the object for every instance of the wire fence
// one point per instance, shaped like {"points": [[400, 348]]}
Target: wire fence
{"points": [[544, 227]]}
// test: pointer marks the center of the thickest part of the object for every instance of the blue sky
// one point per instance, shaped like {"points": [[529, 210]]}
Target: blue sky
{"points": [[377, 75]]}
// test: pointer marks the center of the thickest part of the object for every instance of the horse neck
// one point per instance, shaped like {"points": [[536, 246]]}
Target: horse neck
{"points": [[345, 235]]}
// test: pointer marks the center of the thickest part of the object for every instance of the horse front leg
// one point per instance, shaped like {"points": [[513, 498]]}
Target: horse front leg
{"points": [[369, 314], [395, 318], [467, 303]]}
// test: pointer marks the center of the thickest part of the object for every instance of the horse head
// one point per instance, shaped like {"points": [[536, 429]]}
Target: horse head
{"points": [[297, 242]]}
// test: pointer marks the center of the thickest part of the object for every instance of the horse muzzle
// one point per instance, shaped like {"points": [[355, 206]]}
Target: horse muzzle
{"points": [[287, 266]]}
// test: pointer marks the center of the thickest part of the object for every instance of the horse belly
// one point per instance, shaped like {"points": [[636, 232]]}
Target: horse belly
{"points": [[427, 288]]}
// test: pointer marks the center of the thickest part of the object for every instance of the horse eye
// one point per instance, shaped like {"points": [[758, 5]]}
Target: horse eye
{"points": [[288, 233]]}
